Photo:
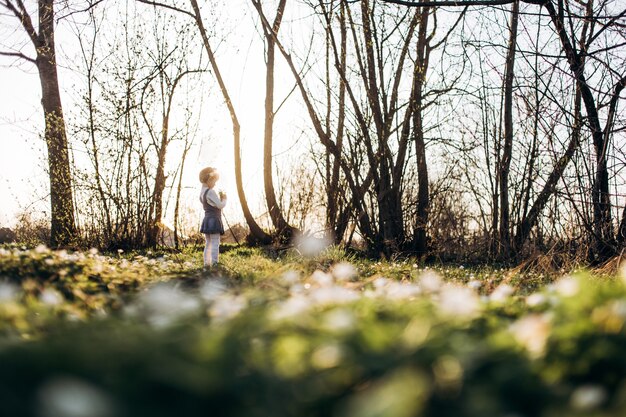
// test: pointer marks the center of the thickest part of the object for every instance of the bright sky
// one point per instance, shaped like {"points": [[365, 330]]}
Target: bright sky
{"points": [[23, 164]]}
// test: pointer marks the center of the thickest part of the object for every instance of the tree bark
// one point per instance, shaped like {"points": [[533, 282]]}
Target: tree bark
{"points": [[156, 206], [507, 149], [178, 192], [423, 197], [621, 233], [337, 217], [284, 230], [63, 229]]}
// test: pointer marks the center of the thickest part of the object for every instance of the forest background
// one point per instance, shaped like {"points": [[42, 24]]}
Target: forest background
{"points": [[482, 130]]}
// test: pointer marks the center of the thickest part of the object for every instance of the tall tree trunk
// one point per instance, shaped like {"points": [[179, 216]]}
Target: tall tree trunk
{"points": [[256, 232], [423, 198], [178, 192], [389, 199], [621, 233], [283, 228], [156, 205], [63, 225], [357, 192], [159, 187], [385, 242], [507, 149], [336, 216]]}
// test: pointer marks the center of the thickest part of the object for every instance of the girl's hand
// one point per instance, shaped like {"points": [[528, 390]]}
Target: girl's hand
{"points": [[222, 195]]}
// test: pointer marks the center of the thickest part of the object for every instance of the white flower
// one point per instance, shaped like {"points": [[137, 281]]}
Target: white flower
{"points": [[291, 277], [344, 271], [380, 283], [536, 299], [430, 281], [501, 293], [397, 290], [339, 320], [532, 332], [72, 397], [164, 304], [311, 246], [333, 295], [227, 307], [292, 307], [93, 251], [98, 267], [474, 284], [367, 293], [51, 297], [458, 301], [211, 289], [566, 287], [588, 397], [41, 249], [322, 278], [297, 289]]}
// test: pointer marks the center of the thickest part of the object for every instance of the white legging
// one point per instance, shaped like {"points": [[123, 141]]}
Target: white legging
{"points": [[211, 248]]}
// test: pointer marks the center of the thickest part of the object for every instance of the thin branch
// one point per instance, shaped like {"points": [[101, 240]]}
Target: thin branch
{"points": [[24, 19], [19, 55], [86, 9], [460, 18], [456, 3], [167, 6]]}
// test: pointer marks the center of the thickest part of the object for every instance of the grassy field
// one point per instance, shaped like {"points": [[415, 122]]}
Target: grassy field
{"points": [[276, 334]]}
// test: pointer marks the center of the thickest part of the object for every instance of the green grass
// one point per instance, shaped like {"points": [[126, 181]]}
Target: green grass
{"points": [[276, 334]]}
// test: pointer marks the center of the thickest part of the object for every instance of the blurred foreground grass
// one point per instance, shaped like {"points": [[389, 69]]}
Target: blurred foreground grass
{"points": [[268, 334]]}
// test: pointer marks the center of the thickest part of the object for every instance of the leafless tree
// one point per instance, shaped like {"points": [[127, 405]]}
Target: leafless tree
{"points": [[42, 39]]}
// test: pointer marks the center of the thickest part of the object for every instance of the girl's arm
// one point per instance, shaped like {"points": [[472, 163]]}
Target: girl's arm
{"points": [[214, 200]]}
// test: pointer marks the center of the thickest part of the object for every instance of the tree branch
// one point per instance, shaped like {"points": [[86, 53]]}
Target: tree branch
{"points": [[86, 9], [609, 24], [24, 19], [167, 6], [19, 55], [435, 3]]}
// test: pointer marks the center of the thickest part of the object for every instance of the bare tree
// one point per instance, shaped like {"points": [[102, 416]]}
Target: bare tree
{"points": [[561, 15], [170, 68], [63, 225], [283, 229], [507, 149], [256, 231]]}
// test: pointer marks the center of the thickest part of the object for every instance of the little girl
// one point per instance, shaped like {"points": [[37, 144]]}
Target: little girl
{"points": [[212, 223]]}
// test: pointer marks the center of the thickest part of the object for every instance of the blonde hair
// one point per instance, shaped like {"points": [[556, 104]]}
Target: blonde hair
{"points": [[207, 174]]}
